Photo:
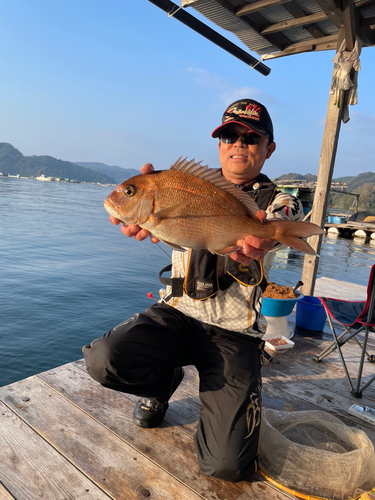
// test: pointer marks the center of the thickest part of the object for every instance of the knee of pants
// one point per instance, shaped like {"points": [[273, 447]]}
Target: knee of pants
{"points": [[230, 467], [98, 360]]}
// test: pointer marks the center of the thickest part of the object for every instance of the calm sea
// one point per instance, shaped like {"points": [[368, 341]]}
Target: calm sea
{"points": [[67, 275]]}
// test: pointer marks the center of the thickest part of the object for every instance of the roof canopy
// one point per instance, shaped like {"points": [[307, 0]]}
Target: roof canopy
{"points": [[276, 28]]}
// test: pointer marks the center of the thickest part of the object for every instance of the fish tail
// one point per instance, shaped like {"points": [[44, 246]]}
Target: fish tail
{"points": [[293, 234]]}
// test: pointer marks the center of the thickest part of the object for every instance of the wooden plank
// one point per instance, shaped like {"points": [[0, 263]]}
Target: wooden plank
{"points": [[305, 46], [261, 4], [316, 41], [327, 375], [333, 11], [349, 23], [365, 4], [102, 456], [31, 469], [296, 11], [294, 23], [328, 287], [169, 445], [184, 408], [298, 363], [4, 494], [311, 47]]}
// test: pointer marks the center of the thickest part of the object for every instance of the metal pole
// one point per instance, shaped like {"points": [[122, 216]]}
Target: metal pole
{"points": [[192, 22]]}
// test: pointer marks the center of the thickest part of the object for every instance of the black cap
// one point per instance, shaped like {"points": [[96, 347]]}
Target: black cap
{"points": [[249, 113]]}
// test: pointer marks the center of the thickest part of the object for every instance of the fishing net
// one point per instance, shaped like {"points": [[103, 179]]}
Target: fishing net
{"points": [[314, 453]]}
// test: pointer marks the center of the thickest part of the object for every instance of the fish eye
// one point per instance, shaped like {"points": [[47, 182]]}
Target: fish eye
{"points": [[129, 191]]}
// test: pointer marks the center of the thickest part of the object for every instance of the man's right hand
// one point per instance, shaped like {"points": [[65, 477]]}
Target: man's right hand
{"points": [[134, 231]]}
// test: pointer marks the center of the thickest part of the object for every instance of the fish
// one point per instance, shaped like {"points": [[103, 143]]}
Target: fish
{"points": [[193, 206]]}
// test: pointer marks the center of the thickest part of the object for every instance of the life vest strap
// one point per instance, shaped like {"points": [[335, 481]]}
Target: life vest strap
{"points": [[177, 284]]}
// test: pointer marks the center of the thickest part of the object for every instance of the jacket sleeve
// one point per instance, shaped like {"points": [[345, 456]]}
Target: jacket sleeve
{"points": [[285, 207]]}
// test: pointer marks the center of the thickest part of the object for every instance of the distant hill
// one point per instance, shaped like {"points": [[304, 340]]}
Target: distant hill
{"points": [[14, 162], [359, 180], [117, 173], [296, 177]]}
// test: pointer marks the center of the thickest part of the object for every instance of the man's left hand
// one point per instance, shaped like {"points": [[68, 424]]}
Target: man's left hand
{"points": [[253, 247]]}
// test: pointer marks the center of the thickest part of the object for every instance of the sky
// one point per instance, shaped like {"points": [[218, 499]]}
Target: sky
{"points": [[121, 83]]}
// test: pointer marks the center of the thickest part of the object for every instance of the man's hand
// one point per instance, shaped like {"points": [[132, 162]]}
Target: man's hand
{"points": [[134, 231], [253, 247]]}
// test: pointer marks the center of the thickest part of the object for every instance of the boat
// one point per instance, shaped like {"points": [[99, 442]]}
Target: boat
{"points": [[43, 178]]}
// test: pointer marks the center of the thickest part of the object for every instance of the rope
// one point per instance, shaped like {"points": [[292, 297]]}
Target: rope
{"points": [[173, 11], [362, 496]]}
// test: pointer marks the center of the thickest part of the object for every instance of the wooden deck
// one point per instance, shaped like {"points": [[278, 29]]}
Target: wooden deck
{"points": [[349, 228], [63, 436]]}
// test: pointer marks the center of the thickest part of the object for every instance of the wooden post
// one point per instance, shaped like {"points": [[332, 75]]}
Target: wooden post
{"points": [[322, 190], [323, 184]]}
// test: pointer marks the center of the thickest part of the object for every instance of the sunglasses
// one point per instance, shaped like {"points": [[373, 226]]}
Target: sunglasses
{"points": [[248, 139]]}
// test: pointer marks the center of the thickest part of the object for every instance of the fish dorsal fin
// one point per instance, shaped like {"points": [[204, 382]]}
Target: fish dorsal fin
{"points": [[216, 178]]}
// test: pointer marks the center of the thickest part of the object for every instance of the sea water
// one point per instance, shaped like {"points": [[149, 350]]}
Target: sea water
{"points": [[67, 275]]}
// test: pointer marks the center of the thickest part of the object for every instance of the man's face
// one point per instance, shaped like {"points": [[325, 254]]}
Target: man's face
{"points": [[240, 162]]}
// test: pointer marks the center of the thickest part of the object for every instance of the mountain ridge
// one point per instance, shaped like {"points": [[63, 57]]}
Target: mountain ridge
{"points": [[13, 162], [119, 174]]}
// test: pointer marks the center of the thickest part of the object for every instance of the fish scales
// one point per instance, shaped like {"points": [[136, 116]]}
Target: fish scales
{"points": [[211, 216], [191, 206]]}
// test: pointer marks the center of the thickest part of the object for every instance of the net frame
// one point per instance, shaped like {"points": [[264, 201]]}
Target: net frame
{"points": [[314, 455]]}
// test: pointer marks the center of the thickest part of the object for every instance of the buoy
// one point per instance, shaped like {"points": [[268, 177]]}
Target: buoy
{"points": [[333, 230], [360, 234], [372, 236]]}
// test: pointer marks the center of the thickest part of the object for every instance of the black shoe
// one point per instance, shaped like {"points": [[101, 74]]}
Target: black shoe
{"points": [[150, 412]]}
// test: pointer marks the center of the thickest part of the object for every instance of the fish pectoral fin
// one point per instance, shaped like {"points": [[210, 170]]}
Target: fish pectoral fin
{"points": [[172, 211], [175, 247], [227, 251]]}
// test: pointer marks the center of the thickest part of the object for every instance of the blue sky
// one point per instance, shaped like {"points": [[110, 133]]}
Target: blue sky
{"points": [[119, 82]]}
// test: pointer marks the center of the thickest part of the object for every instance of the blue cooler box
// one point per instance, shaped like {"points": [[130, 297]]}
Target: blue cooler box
{"points": [[310, 314], [336, 220]]}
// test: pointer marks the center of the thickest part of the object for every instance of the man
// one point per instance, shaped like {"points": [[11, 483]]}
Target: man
{"points": [[209, 316]]}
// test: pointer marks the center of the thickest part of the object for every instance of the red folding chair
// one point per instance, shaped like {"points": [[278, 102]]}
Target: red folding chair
{"points": [[356, 317]]}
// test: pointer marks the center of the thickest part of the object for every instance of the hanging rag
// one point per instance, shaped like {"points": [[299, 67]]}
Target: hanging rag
{"points": [[344, 61]]}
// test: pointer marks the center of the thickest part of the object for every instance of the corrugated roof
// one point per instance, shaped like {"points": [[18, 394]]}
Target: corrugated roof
{"points": [[274, 28]]}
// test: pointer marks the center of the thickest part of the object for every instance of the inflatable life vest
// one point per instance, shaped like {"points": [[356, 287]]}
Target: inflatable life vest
{"points": [[202, 280]]}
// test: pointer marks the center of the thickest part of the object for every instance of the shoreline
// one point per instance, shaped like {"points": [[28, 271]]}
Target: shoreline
{"points": [[42, 178]]}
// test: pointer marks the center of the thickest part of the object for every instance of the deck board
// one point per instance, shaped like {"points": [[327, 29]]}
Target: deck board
{"points": [[32, 469], [63, 436], [93, 449], [4, 494], [172, 445]]}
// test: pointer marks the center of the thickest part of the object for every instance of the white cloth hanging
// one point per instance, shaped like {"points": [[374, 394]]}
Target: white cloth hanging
{"points": [[344, 61]]}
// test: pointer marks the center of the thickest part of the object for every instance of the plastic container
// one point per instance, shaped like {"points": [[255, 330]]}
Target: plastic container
{"points": [[277, 326], [276, 312], [336, 220], [278, 307], [288, 344], [310, 314]]}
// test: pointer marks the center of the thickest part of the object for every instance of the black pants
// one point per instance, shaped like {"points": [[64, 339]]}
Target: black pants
{"points": [[139, 357]]}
